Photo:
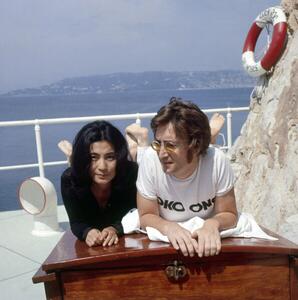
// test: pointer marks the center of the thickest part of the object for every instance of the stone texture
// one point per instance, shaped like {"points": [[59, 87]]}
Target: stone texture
{"points": [[265, 156], [291, 8]]}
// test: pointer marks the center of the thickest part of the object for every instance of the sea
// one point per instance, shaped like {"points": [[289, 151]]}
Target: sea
{"points": [[18, 143]]}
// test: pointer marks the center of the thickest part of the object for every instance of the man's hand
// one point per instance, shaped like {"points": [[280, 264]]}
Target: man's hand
{"points": [[93, 238], [181, 238], [208, 238]]}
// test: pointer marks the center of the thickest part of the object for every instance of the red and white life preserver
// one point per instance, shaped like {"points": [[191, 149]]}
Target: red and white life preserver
{"points": [[272, 15]]}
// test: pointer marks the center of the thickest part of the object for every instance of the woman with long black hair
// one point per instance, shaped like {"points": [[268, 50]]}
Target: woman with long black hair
{"points": [[98, 188]]}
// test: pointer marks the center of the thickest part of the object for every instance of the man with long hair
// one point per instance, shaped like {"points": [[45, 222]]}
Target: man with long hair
{"points": [[181, 177]]}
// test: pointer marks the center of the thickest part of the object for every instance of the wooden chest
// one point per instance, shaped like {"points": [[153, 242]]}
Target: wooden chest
{"points": [[137, 268]]}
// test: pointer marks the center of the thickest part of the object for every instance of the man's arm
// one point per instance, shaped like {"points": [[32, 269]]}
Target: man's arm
{"points": [[225, 210], [225, 216], [179, 237]]}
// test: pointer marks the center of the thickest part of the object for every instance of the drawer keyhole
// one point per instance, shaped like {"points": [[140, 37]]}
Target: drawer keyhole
{"points": [[176, 271]]}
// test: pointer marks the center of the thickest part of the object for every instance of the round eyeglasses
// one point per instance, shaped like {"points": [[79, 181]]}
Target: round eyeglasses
{"points": [[168, 146]]}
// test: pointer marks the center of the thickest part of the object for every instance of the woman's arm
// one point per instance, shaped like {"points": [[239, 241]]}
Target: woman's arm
{"points": [[78, 223]]}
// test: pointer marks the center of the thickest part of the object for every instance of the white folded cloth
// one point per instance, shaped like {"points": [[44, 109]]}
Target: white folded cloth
{"points": [[131, 222], [246, 227]]}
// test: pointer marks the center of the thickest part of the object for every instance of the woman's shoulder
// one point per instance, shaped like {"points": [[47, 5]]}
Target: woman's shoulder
{"points": [[132, 169], [66, 177], [68, 183], [66, 174], [128, 177]]}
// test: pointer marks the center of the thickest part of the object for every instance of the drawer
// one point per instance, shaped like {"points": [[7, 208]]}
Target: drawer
{"points": [[266, 278]]}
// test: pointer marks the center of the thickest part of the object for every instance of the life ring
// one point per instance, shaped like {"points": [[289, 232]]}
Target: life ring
{"points": [[272, 15]]}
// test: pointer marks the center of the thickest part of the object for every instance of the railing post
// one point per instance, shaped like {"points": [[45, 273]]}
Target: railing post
{"points": [[39, 149], [229, 128], [138, 120]]}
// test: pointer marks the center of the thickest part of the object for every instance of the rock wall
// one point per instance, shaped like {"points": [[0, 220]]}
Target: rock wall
{"points": [[265, 156]]}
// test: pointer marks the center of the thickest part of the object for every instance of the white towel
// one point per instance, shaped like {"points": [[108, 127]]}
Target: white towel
{"points": [[131, 222], [246, 227]]}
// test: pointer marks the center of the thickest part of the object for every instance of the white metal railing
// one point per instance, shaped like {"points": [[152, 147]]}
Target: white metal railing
{"points": [[138, 116]]}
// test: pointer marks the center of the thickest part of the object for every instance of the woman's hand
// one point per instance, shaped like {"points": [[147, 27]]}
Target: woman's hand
{"points": [[109, 236], [208, 238], [93, 238]]}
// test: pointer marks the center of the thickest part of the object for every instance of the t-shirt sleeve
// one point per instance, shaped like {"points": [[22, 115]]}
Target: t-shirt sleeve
{"points": [[140, 153], [147, 176], [224, 180]]}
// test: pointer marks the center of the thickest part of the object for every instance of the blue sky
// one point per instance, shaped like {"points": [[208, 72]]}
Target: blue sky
{"points": [[42, 41]]}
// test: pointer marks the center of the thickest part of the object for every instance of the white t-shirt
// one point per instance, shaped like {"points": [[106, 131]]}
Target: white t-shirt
{"points": [[181, 199]]}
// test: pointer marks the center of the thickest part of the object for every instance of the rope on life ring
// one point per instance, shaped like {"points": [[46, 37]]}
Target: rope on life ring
{"points": [[276, 17]]}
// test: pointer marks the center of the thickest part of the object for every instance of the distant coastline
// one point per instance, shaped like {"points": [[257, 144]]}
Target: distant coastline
{"points": [[145, 81]]}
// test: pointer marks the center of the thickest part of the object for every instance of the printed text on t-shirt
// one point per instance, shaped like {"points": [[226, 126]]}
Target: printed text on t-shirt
{"points": [[178, 206]]}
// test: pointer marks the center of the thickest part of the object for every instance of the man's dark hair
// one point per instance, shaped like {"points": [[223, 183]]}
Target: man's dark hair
{"points": [[81, 159], [189, 122]]}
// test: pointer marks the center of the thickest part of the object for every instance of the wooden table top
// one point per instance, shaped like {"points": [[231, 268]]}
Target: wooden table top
{"points": [[70, 252]]}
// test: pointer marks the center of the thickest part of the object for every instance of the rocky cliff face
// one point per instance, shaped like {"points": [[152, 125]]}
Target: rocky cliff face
{"points": [[265, 156]]}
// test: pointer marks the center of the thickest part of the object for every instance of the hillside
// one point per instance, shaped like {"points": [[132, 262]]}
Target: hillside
{"points": [[121, 82]]}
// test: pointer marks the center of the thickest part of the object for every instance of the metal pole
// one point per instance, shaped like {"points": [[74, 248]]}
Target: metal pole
{"points": [[138, 120], [39, 149], [229, 128]]}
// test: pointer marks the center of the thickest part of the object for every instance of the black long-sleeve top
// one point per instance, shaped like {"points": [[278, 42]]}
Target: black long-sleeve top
{"points": [[83, 211]]}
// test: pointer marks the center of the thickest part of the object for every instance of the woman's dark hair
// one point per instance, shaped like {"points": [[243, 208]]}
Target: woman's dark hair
{"points": [[189, 122], [80, 159]]}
